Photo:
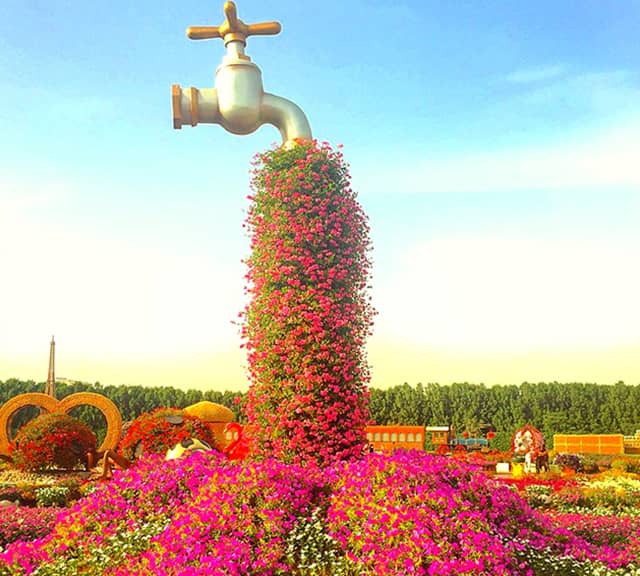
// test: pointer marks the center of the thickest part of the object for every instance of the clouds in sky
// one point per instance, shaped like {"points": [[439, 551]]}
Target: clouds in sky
{"points": [[568, 290], [106, 293], [514, 294], [597, 161], [534, 75]]}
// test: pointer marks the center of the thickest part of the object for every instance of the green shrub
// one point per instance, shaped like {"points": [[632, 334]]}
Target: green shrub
{"points": [[572, 461], [52, 441], [52, 496], [631, 465], [590, 465]]}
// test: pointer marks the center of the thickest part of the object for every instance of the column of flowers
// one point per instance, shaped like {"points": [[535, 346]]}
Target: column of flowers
{"points": [[309, 312]]}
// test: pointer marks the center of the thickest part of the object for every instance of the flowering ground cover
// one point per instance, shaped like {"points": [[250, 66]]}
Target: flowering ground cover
{"points": [[24, 523], [408, 513], [608, 493]]}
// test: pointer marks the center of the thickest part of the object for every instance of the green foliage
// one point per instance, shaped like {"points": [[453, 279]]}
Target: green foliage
{"points": [[552, 407], [50, 441], [631, 465], [313, 551], [52, 496], [309, 313]]}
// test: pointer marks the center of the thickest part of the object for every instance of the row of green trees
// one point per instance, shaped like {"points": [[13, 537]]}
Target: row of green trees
{"points": [[131, 400], [552, 407]]}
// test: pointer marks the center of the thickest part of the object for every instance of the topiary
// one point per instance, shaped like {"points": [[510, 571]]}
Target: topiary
{"points": [[309, 314], [52, 441], [155, 432]]}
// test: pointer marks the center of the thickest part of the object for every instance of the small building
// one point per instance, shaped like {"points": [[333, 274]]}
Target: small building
{"points": [[589, 443], [388, 438], [440, 435]]}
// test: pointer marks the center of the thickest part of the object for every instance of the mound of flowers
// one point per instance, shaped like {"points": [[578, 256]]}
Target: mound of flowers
{"points": [[50, 441], [24, 523], [309, 314], [154, 432], [406, 514]]}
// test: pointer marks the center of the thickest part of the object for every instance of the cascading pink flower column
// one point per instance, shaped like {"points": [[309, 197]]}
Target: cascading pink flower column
{"points": [[309, 312]]}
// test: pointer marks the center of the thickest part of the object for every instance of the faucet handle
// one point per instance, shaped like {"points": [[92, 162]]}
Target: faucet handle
{"points": [[203, 32], [233, 29]]}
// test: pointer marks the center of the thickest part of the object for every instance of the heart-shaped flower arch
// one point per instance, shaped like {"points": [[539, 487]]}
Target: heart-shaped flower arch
{"points": [[51, 405]]}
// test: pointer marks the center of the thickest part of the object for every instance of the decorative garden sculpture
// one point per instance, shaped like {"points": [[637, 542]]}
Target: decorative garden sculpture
{"points": [[216, 416], [239, 448], [50, 404], [238, 101], [309, 312], [528, 442]]}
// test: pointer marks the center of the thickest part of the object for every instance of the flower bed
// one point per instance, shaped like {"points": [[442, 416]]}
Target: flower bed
{"points": [[608, 493], [405, 514], [23, 523]]}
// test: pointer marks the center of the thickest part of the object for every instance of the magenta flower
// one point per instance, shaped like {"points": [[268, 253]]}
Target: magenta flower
{"points": [[309, 315]]}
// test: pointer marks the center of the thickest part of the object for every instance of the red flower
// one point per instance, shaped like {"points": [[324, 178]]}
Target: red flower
{"points": [[152, 433], [309, 314]]}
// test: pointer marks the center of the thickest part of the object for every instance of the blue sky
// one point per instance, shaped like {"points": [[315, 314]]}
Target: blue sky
{"points": [[495, 147]]}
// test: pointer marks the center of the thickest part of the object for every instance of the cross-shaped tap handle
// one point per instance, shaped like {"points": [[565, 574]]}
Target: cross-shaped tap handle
{"points": [[233, 29]]}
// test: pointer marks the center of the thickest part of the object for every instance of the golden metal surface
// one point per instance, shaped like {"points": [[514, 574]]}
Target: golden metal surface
{"points": [[193, 93], [233, 29], [176, 96]]}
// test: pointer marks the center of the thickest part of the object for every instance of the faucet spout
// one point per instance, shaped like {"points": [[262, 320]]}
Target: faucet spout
{"points": [[238, 101], [286, 116], [193, 106]]}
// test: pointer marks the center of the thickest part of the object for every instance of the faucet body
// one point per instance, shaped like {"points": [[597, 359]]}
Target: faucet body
{"points": [[238, 101]]}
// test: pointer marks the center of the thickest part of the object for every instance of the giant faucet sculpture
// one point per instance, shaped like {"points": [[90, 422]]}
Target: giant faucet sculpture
{"points": [[238, 101]]}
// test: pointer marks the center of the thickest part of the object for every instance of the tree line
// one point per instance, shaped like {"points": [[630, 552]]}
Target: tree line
{"points": [[130, 400], [553, 407]]}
